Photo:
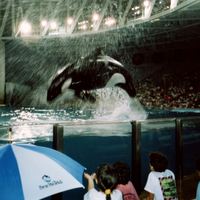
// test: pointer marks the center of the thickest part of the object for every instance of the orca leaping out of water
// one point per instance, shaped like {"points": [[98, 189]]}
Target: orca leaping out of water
{"points": [[90, 74]]}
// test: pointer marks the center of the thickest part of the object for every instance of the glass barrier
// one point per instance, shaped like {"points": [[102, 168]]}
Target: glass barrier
{"points": [[157, 136], [93, 144], [191, 144], [191, 152]]}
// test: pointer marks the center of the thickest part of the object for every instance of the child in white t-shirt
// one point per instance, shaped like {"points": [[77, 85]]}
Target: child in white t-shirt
{"points": [[160, 183]]}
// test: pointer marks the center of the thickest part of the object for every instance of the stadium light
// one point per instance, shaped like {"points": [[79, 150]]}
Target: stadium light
{"points": [[95, 17], [44, 23], [25, 28], [110, 21], [53, 25], [70, 21]]}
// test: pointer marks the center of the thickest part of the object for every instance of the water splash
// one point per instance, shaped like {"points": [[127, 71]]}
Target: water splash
{"points": [[115, 105], [111, 104]]}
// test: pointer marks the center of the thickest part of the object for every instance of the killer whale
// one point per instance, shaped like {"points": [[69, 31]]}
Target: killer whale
{"points": [[89, 74]]}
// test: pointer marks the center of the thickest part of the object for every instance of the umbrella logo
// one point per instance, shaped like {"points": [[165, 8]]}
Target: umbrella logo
{"points": [[46, 178], [49, 182]]}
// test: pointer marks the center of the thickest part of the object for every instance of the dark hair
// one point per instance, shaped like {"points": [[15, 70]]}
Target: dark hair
{"points": [[122, 172], [158, 161], [106, 179]]}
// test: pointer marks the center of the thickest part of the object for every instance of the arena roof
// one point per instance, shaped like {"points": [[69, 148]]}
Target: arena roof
{"points": [[152, 20]]}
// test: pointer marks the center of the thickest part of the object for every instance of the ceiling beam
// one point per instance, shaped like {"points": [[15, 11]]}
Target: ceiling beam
{"points": [[148, 10], [80, 11], [120, 9], [173, 4], [13, 17], [128, 7], [58, 2], [98, 23]]}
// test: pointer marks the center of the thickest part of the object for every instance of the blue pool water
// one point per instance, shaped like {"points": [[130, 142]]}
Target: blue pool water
{"points": [[92, 140]]}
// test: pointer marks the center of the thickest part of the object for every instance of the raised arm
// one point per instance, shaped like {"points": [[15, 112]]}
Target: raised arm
{"points": [[90, 180]]}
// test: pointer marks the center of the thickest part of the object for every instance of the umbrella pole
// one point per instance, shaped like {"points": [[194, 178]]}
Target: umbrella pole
{"points": [[58, 144]]}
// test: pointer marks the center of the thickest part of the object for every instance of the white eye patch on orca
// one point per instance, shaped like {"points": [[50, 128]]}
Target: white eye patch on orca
{"points": [[66, 84], [115, 79]]}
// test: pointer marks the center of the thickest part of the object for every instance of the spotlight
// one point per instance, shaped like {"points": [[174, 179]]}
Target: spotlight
{"points": [[110, 21], [146, 3], [70, 21], [53, 25], [44, 23], [25, 28], [83, 25], [95, 17]]}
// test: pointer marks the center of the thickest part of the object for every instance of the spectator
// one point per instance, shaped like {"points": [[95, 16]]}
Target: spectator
{"points": [[106, 183], [160, 184], [124, 184]]}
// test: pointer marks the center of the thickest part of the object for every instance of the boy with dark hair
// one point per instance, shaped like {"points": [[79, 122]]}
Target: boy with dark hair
{"points": [[161, 183]]}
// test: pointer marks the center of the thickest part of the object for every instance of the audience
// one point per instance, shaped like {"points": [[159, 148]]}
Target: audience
{"points": [[170, 92], [106, 184], [124, 184], [160, 183]]}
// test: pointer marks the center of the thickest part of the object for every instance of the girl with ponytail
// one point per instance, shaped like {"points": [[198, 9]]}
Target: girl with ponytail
{"points": [[105, 184]]}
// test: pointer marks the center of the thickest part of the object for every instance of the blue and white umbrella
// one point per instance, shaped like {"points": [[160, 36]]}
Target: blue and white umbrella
{"points": [[30, 172]]}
